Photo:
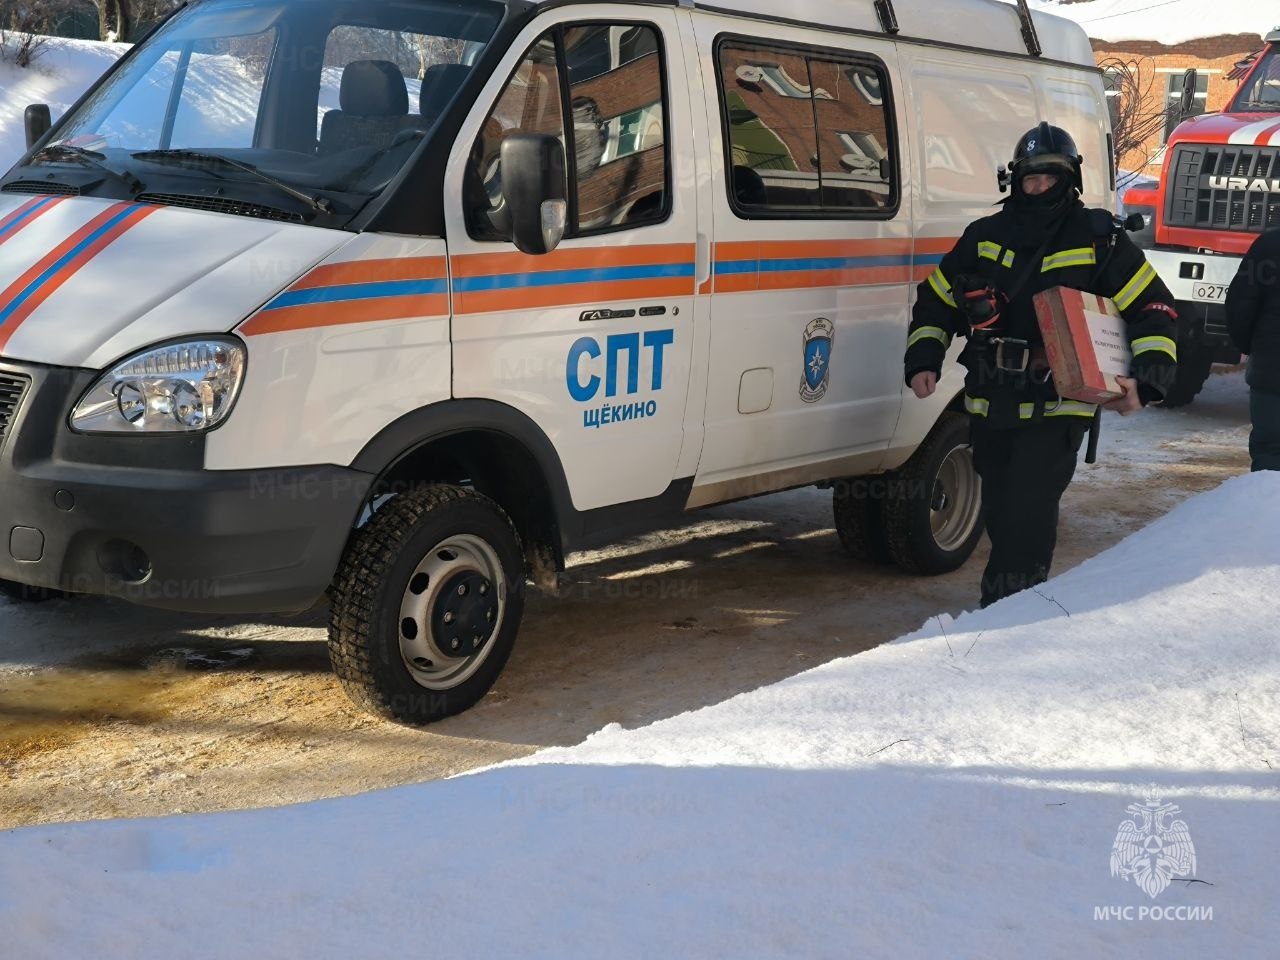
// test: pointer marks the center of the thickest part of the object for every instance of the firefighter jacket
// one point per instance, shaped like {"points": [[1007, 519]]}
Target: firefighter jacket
{"points": [[1253, 312], [1105, 263]]}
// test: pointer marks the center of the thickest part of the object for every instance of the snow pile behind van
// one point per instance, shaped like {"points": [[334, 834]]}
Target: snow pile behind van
{"points": [[63, 72]]}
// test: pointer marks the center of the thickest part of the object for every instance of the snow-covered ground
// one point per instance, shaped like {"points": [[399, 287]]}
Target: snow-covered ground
{"points": [[956, 793], [62, 73]]}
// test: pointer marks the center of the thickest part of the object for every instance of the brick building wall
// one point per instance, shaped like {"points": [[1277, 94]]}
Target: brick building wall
{"points": [[1214, 57]]}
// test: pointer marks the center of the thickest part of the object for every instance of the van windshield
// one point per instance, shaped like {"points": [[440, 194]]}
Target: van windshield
{"points": [[316, 104], [1262, 92]]}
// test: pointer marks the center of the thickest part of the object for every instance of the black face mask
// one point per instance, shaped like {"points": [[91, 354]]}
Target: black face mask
{"points": [[1048, 204]]}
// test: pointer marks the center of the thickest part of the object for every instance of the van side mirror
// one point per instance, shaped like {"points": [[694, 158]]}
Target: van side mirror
{"points": [[1188, 92], [533, 186], [38, 121]]}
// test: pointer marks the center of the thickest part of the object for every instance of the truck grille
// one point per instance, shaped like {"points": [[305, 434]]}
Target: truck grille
{"points": [[1210, 188], [11, 390]]}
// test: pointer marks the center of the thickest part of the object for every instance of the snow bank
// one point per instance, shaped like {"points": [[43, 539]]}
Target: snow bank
{"points": [[64, 71], [1164, 21], [955, 793]]}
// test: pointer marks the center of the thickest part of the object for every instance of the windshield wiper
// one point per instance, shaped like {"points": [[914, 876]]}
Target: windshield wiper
{"points": [[65, 152], [319, 204]]}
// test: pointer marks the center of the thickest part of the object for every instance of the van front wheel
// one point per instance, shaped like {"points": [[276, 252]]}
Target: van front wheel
{"points": [[426, 603], [933, 513]]}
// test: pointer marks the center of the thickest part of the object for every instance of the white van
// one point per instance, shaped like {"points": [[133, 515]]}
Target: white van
{"points": [[309, 295]]}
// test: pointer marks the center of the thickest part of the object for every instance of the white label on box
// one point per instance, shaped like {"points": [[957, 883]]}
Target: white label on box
{"points": [[1110, 346]]}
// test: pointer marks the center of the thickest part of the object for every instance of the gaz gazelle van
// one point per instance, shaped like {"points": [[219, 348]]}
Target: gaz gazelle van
{"points": [[404, 300]]}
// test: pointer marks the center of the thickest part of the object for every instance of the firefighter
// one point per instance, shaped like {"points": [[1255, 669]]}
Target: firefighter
{"points": [[1253, 321], [1025, 439]]}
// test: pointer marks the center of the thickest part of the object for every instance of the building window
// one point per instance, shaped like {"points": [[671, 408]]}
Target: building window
{"points": [[1173, 100]]}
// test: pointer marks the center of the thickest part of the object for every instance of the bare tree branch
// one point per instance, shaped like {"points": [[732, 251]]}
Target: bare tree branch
{"points": [[1139, 108]]}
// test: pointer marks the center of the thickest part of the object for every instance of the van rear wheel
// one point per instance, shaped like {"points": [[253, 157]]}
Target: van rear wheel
{"points": [[426, 604], [858, 506], [933, 509]]}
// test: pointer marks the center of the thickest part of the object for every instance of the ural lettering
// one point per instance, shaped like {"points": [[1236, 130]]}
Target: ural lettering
{"points": [[1257, 185]]}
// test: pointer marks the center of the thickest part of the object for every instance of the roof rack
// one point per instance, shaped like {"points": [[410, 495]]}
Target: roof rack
{"points": [[1029, 35], [888, 18]]}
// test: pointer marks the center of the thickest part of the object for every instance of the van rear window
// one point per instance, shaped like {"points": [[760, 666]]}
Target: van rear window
{"points": [[807, 133]]}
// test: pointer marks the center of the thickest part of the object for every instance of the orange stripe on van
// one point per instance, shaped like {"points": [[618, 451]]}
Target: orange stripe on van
{"points": [[496, 264], [491, 282], [372, 271], [312, 316]]}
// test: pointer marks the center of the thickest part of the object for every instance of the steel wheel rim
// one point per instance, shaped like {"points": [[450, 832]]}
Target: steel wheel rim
{"points": [[956, 500], [426, 636]]}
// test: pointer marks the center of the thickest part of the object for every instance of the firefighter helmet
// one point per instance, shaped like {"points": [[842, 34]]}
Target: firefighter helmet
{"points": [[1047, 149]]}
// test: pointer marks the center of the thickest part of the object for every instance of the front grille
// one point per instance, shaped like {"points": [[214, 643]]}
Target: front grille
{"points": [[41, 186], [11, 390], [221, 205], [1210, 188]]}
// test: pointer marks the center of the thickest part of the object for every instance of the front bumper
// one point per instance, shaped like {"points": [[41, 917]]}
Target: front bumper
{"points": [[141, 519], [1193, 278]]}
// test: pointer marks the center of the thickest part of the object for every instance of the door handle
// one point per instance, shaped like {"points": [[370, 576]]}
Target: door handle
{"points": [[702, 266]]}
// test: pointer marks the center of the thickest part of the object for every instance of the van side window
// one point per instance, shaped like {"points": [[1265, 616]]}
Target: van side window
{"points": [[808, 134], [619, 125], [531, 103], [609, 78]]}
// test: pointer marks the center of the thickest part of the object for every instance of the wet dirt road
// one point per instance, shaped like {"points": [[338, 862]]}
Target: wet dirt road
{"points": [[107, 710]]}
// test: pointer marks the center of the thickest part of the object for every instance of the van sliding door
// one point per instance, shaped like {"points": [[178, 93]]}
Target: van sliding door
{"points": [[812, 257]]}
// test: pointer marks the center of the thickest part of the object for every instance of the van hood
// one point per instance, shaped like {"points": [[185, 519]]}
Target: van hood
{"points": [[85, 282]]}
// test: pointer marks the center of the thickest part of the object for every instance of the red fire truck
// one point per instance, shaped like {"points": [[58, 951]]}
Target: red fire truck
{"points": [[1219, 188]]}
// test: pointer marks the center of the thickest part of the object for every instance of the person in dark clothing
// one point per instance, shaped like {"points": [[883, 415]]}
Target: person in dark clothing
{"points": [[1025, 439], [1253, 322]]}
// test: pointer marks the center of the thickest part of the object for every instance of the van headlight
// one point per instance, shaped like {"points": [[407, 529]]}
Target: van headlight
{"points": [[177, 388]]}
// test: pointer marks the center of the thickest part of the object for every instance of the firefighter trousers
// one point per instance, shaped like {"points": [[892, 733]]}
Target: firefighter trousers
{"points": [[1025, 470], [1264, 441]]}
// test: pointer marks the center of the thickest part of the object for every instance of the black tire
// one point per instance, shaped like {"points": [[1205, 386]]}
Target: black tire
{"points": [[933, 506], [419, 551], [858, 505], [21, 593], [1193, 370]]}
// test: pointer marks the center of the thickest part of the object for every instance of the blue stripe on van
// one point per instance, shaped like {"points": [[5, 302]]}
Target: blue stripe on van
{"points": [[729, 267], [68, 258], [556, 278], [357, 291]]}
